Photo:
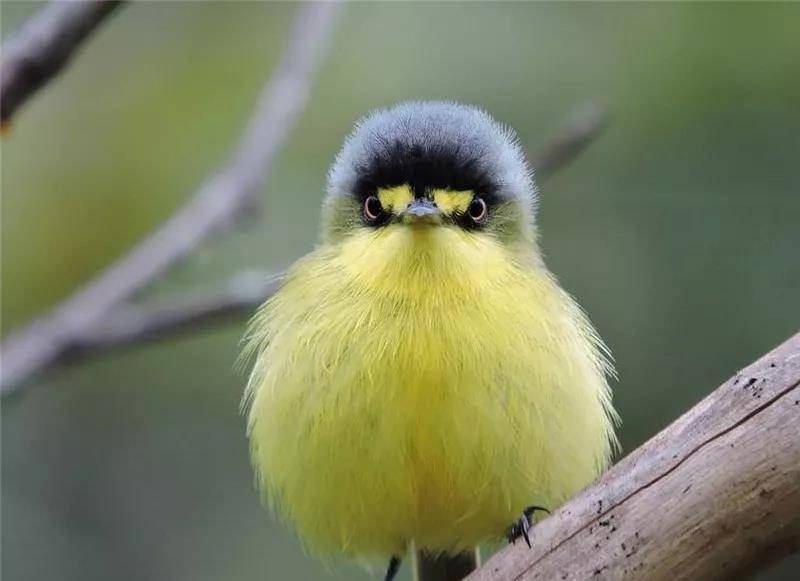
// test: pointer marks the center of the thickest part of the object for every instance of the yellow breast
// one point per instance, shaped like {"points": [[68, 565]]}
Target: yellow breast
{"points": [[422, 384]]}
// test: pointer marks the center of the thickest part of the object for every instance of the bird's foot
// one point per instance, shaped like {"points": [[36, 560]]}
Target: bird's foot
{"points": [[522, 527], [394, 567]]}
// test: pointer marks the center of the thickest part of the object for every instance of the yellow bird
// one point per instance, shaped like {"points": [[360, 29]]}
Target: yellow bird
{"points": [[420, 378]]}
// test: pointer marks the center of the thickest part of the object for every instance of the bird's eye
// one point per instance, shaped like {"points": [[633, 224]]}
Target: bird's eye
{"points": [[477, 210], [373, 208]]}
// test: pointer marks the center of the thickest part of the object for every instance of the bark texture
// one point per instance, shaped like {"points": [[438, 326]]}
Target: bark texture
{"points": [[716, 495]]}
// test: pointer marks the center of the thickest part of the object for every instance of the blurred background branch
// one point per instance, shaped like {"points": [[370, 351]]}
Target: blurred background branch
{"points": [[43, 46], [226, 197], [133, 324], [575, 135]]}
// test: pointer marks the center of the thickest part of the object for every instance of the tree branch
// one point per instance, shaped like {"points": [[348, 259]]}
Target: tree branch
{"points": [[43, 46], [580, 130], [716, 495], [217, 204], [132, 324]]}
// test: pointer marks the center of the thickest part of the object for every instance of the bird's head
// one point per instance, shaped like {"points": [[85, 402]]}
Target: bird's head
{"points": [[422, 166]]}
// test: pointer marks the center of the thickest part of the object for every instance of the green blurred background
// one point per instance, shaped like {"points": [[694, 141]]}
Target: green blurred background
{"points": [[678, 230]]}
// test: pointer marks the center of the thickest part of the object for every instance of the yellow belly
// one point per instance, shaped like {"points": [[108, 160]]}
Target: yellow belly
{"points": [[422, 384]]}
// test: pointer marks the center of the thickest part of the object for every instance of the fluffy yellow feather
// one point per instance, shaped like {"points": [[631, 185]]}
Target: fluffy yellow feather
{"points": [[423, 381], [420, 383]]}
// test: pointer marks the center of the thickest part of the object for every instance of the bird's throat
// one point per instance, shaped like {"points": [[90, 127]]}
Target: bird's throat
{"points": [[425, 260]]}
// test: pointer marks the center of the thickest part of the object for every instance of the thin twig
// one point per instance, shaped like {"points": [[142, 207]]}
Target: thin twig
{"points": [[244, 293], [580, 130], [43, 46], [132, 324], [217, 204]]}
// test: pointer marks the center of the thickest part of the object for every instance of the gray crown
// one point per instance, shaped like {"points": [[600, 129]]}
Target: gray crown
{"points": [[433, 144]]}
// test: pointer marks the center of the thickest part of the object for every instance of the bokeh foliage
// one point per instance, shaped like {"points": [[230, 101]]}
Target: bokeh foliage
{"points": [[679, 231]]}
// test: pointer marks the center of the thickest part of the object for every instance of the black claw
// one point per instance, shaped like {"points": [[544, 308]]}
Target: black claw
{"points": [[394, 567], [526, 526], [532, 509], [523, 526]]}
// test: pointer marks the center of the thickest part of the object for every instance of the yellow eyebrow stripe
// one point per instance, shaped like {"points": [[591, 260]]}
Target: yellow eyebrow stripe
{"points": [[398, 198], [395, 199], [450, 202]]}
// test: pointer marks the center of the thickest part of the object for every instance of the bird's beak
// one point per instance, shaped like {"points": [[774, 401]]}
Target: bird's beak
{"points": [[421, 211]]}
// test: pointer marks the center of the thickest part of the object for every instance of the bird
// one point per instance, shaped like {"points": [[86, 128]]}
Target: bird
{"points": [[421, 381]]}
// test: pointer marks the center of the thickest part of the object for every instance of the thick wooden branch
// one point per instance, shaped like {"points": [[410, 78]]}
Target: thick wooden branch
{"points": [[716, 495], [223, 199], [43, 47]]}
